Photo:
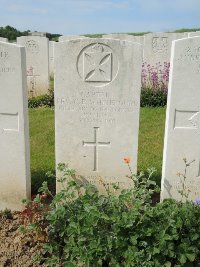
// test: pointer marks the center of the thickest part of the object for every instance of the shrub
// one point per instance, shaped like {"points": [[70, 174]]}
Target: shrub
{"points": [[87, 228], [46, 100]]}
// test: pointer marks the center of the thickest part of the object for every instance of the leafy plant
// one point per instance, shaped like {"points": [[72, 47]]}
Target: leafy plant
{"points": [[90, 229], [7, 214], [86, 228], [46, 100]]}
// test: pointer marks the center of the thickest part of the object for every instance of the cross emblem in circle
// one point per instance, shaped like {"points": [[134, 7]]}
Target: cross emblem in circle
{"points": [[97, 66]]}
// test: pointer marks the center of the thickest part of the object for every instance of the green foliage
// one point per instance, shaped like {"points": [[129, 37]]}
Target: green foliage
{"points": [[46, 100], [137, 33], [7, 214], [153, 98], [11, 33], [187, 30], [87, 228]]}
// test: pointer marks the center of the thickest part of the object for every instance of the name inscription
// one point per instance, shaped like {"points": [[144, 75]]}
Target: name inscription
{"points": [[96, 107]]}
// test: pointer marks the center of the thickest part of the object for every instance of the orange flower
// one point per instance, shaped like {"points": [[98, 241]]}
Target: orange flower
{"points": [[127, 160]]}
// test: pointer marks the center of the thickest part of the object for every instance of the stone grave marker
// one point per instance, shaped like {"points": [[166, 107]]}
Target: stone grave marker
{"points": [[127, 37], [51, 58], [41, 34], [192, 34], [2, 39], [182, 132], [97, 100], [157, 47], [71, 37], [15, 182], [37, 59]]}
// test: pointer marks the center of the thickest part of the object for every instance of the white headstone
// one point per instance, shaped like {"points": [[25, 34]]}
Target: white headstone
{"points": [[15, 182], [182, 132], [97, 100], [37, 59], [123, 36], [51, 58], [192, 34], [41, 34], [2, 39], [157, 46], [71, 37]]}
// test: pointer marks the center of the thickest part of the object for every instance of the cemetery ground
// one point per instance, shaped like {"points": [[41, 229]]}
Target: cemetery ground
{"points": [[17, 250], [177, 242]]}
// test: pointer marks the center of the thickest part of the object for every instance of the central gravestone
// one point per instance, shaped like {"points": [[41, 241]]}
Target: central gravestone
{"points": [[97, 100]]}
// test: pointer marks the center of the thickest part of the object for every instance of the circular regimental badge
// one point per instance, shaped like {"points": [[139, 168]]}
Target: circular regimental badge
{"points": [[32, 46], [97, 64]]}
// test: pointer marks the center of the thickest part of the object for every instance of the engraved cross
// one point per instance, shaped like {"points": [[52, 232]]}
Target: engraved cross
{"points": [[96, 144], [33, 76]]}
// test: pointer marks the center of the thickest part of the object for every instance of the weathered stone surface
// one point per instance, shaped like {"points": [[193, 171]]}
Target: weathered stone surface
{"points": [[97, 100], [51, 58], [41, 34], [37, 59], [157, 46], [182, 133], [71, 37], [192, 34], [127, 37], [2, 39], [15, 182]]}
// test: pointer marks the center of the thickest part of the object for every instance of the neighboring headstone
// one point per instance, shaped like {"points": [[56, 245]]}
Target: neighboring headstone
{"points": [[15, 183], [192, 34], [51, 58], [37, 59], [2, 39], [71, 37], [182, 132], [157, 46], [97, 101], [41, 34], [127, 37]]}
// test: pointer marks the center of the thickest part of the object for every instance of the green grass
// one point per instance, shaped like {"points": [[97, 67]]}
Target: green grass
{"points": [[42, 141], [151, 139], [42, 145]]}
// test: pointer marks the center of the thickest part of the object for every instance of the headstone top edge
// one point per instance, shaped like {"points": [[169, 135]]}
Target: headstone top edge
{"points": [[12, 44], [185, 39], [99, 40]]}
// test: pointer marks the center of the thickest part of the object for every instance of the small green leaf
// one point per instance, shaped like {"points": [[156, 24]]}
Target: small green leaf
{"points": [[191, 257]]}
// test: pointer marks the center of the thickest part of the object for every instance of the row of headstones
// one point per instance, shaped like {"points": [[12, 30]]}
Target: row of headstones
{"points": [[97, 103], [40, 54]]}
